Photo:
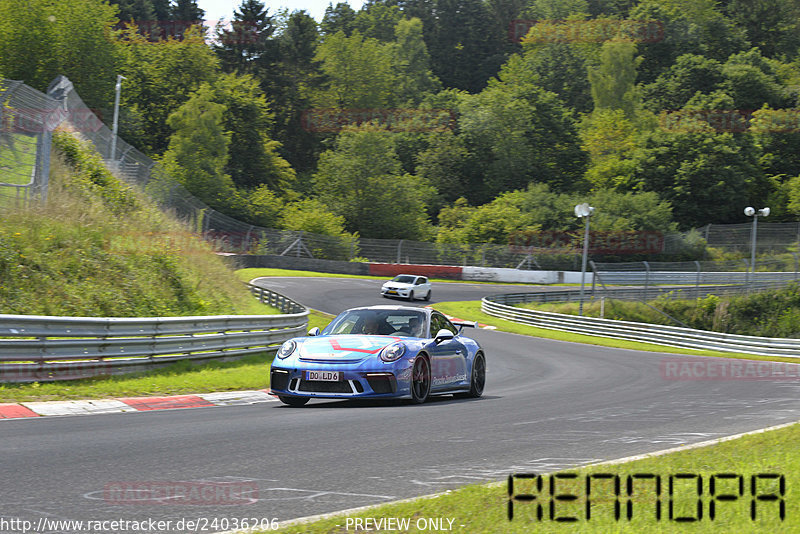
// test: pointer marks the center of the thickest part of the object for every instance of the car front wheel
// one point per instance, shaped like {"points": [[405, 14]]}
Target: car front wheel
{"points": [[411, 295], [420, 380], [293, 401]]}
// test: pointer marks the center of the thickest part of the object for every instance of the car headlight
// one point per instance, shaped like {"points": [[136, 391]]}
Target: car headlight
{"points": [[393, 352], [287, 349]]}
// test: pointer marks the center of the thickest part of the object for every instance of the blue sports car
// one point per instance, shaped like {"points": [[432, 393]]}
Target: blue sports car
{"points": [[380, 352]]}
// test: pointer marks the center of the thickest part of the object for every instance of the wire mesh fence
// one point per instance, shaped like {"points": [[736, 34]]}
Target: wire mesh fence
{"points": [[29, 117], [27, 120]]}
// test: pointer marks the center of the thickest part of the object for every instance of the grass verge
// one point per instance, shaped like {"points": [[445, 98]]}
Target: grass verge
{"points": [[484, 508], [471, 311]]}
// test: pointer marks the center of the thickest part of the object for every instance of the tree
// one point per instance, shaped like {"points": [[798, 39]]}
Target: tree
{"points": [[412, 63], [445, 166], [247, 46], [771, 25], [687, 27], [613, 80], [705, 176], [378, 21], [676, 85], [519, 134], [253, 157], [198, 150], [465, 48], [338, 19], [160, 78], [135, 10], [751, 81], [555, 9], [556, 67], [360, 179], [289, 85], [161, 10], [40, 39], [187, 11], [358, 73], [538, 208], [610, 140]]}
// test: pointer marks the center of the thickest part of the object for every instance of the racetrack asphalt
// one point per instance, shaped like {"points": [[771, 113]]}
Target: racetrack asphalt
{"points": [[547, 405]]}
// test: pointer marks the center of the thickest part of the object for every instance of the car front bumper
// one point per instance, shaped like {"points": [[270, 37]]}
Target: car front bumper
{"points": [[389, 382]]}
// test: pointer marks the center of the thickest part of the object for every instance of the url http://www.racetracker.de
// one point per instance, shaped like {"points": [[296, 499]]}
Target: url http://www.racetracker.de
{"points": [[133, 526]]}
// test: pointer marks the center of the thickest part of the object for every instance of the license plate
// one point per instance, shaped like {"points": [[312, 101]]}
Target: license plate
{"points": [[391, 292], [324, 376]]}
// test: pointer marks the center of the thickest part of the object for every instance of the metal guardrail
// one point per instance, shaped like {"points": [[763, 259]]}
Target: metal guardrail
{"points": [[638, 293], [498, 306], [43, 348], [667, 277]]}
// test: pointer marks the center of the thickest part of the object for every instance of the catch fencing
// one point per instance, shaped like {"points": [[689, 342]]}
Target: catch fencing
{"points": [[42, 348], [768, 270], [688, 338], [28, 118], [27, 121]]}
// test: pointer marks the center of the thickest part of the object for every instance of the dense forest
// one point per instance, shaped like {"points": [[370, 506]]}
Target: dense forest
{"points": [[450, 120]]}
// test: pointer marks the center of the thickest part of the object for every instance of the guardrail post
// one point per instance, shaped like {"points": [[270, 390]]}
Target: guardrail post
{"points": [[646, 278], [795, 265], [697, 282], [399, 251], [746, 276]]}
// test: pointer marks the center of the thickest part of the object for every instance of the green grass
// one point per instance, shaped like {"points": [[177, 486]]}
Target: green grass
{"points": [[17, 160], [483, 508], [16, 164], [100, 248], [471, 311]]}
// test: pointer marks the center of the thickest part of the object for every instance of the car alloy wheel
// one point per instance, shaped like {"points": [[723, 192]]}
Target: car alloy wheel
{"points": [[411, 295], [428, 295], [478, 379], [420, 380]]}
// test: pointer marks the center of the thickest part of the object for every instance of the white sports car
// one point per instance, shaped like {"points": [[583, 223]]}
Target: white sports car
{"points": [[407, 286]]}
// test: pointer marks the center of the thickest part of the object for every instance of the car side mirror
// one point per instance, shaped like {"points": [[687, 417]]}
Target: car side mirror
{"points": [[314, 331], [443, 335]]}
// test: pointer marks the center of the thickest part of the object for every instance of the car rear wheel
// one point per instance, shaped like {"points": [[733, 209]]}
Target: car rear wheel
{"points": [[428, 295], [478, 380], [293, 401], [420, 380]]}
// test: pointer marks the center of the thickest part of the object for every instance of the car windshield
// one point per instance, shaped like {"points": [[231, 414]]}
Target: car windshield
{"points": [[404, 323], [404, 279]]}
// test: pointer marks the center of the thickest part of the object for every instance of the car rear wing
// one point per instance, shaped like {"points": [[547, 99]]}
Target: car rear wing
{"points": [[462, 324]]}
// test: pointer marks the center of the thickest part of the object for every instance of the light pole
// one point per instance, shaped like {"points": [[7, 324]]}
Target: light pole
{"points": [[584, 211], [115, 126], [752, 212]]}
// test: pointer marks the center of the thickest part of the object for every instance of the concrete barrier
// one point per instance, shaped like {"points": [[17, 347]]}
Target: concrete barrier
{"points": [[453, 272], [519, 276], [299, 264], [431, 271]]}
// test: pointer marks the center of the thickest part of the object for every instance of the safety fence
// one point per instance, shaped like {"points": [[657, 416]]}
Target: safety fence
{"points": [[688, 338], [27, 118], [42, 348], [640, 294], [782, 269]]}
